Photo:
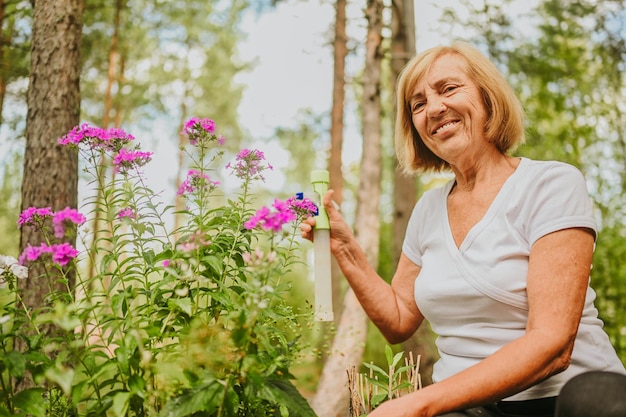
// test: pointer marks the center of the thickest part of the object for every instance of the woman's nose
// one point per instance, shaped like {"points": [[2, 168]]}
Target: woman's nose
{"points": [[435, 107]]}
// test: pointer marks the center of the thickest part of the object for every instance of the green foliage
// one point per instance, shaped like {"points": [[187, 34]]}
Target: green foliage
{"points": [[188, 322], [371, 389], [608, 278]]}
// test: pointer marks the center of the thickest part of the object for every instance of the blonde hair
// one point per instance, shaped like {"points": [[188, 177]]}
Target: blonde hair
{"points": [[505, 116]]}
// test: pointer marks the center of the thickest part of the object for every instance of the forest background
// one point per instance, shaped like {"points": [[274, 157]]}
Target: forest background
{"points": [[147, 65]]}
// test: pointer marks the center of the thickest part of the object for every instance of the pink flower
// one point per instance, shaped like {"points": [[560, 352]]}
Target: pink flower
{"points": [[196, 180], [249, 165], [303, 207], [60, 218], [197, 129], [128, 159], [127, 212], [62, 253], [33, 215], [273, 220], [110, 139]]}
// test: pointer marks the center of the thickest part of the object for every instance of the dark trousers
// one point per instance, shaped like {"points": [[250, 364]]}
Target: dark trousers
{"points": [[592, 394]]}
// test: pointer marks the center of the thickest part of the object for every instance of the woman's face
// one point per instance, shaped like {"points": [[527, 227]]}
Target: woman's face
{"points": [[448, 111]]}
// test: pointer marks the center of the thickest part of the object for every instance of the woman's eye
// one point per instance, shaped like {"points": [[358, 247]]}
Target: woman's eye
{"points": [[417, 106], [449, 88]]}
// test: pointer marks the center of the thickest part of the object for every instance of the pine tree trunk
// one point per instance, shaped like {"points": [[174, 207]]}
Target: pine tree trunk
{"points": [[332, 396], [405, 186], [340, 49], [50, 170]]}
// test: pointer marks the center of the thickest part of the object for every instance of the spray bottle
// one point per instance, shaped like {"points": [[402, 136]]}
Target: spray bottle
{"points": [[321, 250]]}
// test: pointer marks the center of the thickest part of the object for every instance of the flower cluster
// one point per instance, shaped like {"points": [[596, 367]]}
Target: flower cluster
{"points": [[281, 213], [127, 213], [112, 139], [62, 253], [61, 218], [33, 216], [249, 165], [196, 180], [197, 130], [127, 159], [302, 206]]}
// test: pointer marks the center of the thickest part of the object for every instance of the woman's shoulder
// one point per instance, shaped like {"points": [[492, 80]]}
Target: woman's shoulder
{"points": [[535, 170]]}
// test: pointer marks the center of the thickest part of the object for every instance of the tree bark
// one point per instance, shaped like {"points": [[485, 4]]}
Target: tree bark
{"points": [[50, 170], [340, 50], [405, 188], [332, 396]]}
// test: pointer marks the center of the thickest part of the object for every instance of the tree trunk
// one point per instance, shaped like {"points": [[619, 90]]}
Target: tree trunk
{"points": [[332, 396], [340, 48], [50, 170], [406, 187]]}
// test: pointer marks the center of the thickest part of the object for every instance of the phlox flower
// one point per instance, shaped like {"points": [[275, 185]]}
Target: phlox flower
{"points": [[62, 253], [61, 218], [127, 159], [272, 219], [303, 207], [127, 213], [196, 180], [33, 215], [249, 165], [197, 129], [110, 139]]}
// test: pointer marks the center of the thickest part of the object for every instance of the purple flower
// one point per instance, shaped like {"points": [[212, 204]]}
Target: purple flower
{"points": [[197, 129], [33, 215], [110, 139], [62, 253], [127, 213], [249, 165], [302, 207], [128, 159], [196, 180], [272, 219], [60, 218]]}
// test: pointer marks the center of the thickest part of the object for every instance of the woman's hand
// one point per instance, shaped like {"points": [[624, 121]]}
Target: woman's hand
{"points": [[340, 232]]}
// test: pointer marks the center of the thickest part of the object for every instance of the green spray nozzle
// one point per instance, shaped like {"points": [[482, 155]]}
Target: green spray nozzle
{"points": [[320, 179]]}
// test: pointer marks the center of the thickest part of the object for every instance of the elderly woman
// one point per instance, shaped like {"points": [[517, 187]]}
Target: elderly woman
{"points": [[497, 260]]}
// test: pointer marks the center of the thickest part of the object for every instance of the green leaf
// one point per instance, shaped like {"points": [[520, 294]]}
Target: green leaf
{"points": [[121, 400], [15, 363], [206, 397], [388, 354], [62, 376], [31, 402], [182, 304], [376, 369], [283, 392], [397, 358]]}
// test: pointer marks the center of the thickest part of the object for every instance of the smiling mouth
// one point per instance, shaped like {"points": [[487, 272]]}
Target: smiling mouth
{"points": [[445, 126]]}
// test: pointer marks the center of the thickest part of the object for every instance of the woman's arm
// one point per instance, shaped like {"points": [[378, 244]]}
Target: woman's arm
{"points": [[392, 307], [558, 277]]}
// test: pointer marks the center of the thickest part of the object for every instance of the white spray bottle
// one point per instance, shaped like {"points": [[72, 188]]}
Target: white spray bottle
{"points": [[321, 250]]}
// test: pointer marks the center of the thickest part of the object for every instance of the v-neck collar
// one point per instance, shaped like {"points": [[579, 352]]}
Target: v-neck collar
{"points": [[492, 211]]}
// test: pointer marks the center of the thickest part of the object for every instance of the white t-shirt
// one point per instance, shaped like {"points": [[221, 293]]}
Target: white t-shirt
{"points": [[475, 296]]}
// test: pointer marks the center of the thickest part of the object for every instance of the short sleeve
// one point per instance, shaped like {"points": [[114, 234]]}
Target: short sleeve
{"points": [[558, 200]]}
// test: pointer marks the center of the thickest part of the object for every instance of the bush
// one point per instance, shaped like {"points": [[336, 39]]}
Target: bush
{"points": [[168, 323]]}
